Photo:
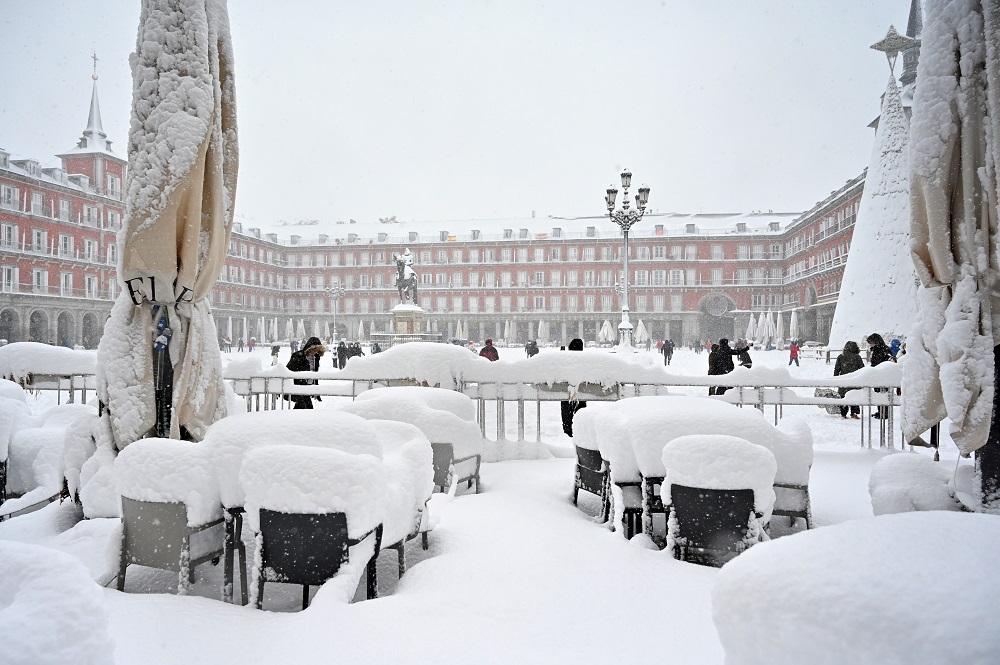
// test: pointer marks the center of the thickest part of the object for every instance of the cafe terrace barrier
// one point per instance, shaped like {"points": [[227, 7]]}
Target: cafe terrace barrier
{"points": [[266, 392]]}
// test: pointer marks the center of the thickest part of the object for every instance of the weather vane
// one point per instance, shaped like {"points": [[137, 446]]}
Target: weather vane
{"points": [[94, 57]]}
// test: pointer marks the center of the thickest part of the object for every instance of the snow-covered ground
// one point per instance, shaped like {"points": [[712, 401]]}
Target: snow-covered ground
{"points": [[515, 574]]}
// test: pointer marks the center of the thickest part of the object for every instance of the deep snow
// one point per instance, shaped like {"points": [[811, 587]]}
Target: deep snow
{"points": [[514, 574]]}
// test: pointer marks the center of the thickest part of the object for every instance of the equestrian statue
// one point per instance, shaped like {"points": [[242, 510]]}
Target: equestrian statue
{"points": [[406, 279]]}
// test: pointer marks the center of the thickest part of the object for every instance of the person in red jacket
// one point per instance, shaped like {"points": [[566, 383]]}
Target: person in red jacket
{"points": [[793, 353], [490, 352]]}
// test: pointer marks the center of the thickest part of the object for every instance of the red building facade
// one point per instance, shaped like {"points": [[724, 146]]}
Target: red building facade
{"points": [[692, 277]]}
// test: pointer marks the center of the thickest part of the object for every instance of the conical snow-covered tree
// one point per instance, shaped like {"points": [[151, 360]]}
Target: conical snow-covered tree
{"points": [[879, 289]]}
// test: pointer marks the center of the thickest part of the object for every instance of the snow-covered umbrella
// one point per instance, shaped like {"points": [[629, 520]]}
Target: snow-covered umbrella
{"points": [[289, 330], [300, 329], [641, 334], [606, 335], [274, 329], [159, 364], [751, 333], [506, 330], [543, 332], [326, 330], [793, 325], [761, 328], [262, 331], [229, 329], [954, 156], [361, 331], [246, 330], [317, 331], [779, 331]]}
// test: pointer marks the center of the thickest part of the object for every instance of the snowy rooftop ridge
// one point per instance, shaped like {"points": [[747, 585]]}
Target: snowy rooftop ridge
{"points": [[667, 224]]}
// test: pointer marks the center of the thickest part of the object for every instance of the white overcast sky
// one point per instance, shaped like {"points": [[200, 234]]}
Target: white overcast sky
{"points": [[475, 109]]}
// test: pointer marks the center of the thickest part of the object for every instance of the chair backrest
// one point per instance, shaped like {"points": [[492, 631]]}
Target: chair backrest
{"points": [[302, 548], [588, 459], [712, 519], [444, 453], [154, 532]]}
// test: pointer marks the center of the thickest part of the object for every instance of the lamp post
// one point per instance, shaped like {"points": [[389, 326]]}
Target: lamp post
{"points": [[336, 292], [625, 218]]}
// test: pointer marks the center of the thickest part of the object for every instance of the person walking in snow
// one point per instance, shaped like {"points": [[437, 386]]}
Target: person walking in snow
{"points": [[878, 353], [847, 362], [720, 361], [490, 352], [568, 408], [343, 353], [303, 361], [667, 349], [252, 342], [239, 346], [793, 353], [275, 350], [531, 348]]}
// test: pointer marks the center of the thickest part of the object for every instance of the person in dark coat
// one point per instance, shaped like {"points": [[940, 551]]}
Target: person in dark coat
{"points": [[569, 408], [376, 348], [878, 353], [343, 353], [848, 361], [743, 354], [275, 350], [303, 361], [490, 352], [667, 349], [720, 361], [531, 348]]}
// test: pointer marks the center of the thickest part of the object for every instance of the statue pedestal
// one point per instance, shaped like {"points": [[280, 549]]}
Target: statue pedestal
{"points": [[407, 319]]}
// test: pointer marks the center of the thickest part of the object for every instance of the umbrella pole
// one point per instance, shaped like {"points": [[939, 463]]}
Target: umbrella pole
{"points": [[163, 372], [988, 457]]}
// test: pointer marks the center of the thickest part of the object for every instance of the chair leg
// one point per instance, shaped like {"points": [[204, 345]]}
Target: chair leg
{"points": [[122, 565], [372, 574], [305, 596], [400, 551], [244, 580], [423, 540], [260, 592]]}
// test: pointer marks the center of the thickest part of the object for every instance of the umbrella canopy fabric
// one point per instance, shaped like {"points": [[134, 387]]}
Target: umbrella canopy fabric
{"points": [[751, 333], [326, 330], [954, 156], [262, 331], [779, 330], [606, 335], [300, 329], [316, 329], [793, 325], [761, 328], [289, 330], [180, 193], [506, 330], [361, 330]]}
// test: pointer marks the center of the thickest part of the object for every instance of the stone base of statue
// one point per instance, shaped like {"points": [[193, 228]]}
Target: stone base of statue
{"points": [[407, 326]]}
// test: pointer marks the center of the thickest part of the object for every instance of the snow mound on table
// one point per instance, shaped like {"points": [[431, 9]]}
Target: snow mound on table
{"points": [[719, 462], [50, 609], [824, 595], [424, 362], [409, 466], [438, 426], [306, 479], [645, 425], [20, 359], [906, 482], [231, 438], [168, 470], [441, 399], [11, 390], [14, 417]]}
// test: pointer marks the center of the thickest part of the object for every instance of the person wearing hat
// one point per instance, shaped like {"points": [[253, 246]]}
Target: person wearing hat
{"points": [[490, 352], [568, 408], [306, 360]]}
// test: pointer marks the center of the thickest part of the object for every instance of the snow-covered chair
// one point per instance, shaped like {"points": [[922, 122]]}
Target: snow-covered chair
{"points": [[229, 440], [592, 475], [442, 399], [457, 443], [407, 456], [720, 495], [309, 508], [170, 508], [606, 431], [34, 472], [14, 416]]}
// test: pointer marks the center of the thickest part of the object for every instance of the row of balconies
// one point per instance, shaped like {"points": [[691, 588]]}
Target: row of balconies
{"points": [[92, 220], [56, 291]]}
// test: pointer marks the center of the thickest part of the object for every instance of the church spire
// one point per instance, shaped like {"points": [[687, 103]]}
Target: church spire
{"points": [[94, 139]]}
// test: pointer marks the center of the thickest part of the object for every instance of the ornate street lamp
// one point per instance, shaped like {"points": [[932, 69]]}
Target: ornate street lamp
{"points": [[336, 293], [625, 218]]}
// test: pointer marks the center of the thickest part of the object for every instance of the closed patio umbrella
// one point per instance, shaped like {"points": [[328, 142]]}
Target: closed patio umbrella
{"points": [[229, 329], [262, 331], [641, 334], [326, 330], [300, 329], [289, 330], [779, 332], [506, 331], [316, 329], [951, 359], [793, 325], [159, 368], [361, 331], [751, 332], [761, 328]]}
